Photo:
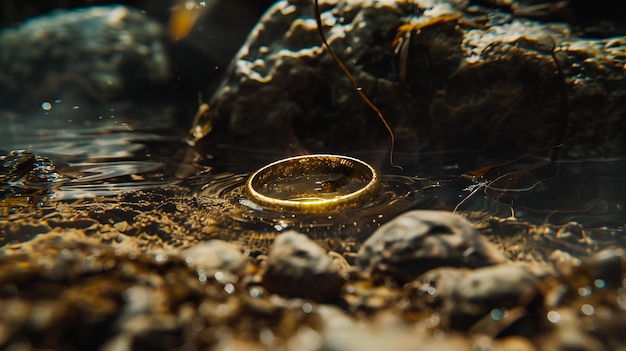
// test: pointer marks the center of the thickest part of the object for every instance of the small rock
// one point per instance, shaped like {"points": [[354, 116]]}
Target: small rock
{"points": [[238, 345], [606, 267], [514, 343], [372, 339], [21, 167], [418, 241], [152, 332], [592, 276], [298, 266], [465, 296], [215, 255], [23, 173], [569, 334]]}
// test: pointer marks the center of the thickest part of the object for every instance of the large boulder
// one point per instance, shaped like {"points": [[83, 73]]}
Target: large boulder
{"points": [[98, 53], [444, 74]]}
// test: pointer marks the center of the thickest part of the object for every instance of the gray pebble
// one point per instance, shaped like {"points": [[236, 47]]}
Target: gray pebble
{"points": [[418, 241], [298, 266]]}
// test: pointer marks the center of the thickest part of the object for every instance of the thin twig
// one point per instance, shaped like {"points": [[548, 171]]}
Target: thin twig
{"points": [[564, 110], [357, 88]]}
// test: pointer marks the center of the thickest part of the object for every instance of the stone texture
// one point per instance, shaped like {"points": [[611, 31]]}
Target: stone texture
{"points": [[65, 291], [215, 255], [23, 173], [465, 296], [606, 267], [417, 241], [298, 266], [100, 276], [569, 335], [487, 80], [360, 339], [95, 53]]}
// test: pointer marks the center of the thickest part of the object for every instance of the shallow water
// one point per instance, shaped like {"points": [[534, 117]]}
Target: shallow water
{"points": [[106, 156], [104, 150]]}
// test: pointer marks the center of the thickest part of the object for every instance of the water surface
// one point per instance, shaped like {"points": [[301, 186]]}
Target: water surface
{"points": [[123, 149]]}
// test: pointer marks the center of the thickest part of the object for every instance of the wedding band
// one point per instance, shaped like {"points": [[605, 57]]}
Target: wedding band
{"points": [[313, 184]]}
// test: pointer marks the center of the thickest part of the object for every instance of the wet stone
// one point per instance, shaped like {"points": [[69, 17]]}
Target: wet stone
{"points": [[491, 75], [372, 339], [514, 343], [21, 166], [62, 293], [465, 296], [605, 268], [589, 279], [127, 294], [418, 241], [569, 334], [299, 267], [25, 173], [96, 53]]}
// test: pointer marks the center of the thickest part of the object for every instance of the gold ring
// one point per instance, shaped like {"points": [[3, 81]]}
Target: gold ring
{"points": [[313, 184]]}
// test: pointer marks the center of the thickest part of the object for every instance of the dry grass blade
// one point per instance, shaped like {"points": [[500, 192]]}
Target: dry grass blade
{"points": [[357, 88]]}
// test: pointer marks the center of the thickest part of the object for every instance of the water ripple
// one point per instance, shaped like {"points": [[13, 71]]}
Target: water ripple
{"points": [[397, 194]]}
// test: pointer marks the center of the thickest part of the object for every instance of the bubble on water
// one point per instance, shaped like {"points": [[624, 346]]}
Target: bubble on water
{"points": [[309, 338], [587, 309], [161, 258], [554, 316], [222, 310], [219, 276], [256, 292], [496, 314], [202, 277], [266, 336], [307, 307], [584, 291]]}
